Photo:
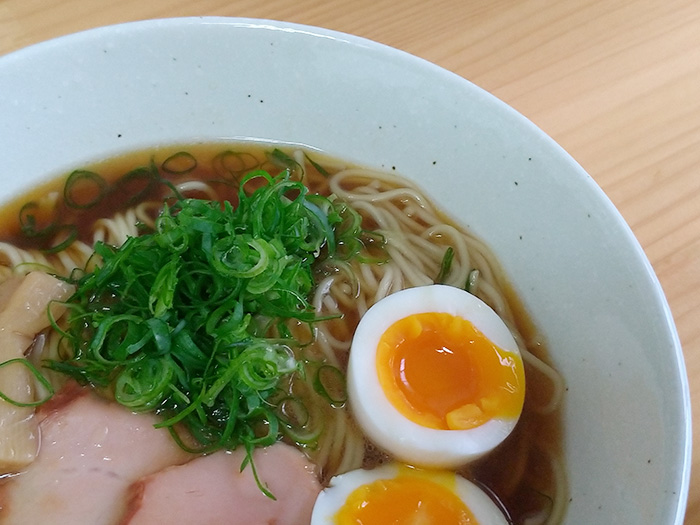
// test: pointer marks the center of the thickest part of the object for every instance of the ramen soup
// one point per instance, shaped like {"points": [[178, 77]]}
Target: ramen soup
{"points": [[280, 334]]}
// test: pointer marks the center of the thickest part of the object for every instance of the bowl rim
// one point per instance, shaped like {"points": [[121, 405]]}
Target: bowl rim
{"points": [[686, 438]]}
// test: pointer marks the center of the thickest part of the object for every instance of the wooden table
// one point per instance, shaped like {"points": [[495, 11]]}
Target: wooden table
{"points": [[616, 83]]}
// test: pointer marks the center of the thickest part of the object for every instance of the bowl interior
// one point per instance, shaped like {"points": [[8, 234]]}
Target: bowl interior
{"points": [[570, 256]]}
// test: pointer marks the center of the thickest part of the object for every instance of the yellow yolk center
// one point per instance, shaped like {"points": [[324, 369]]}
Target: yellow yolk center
{"points": [[439, 371], [406, 498]]}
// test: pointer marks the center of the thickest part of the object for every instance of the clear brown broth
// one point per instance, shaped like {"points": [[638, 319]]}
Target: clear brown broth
{"points": [[518, 474]]}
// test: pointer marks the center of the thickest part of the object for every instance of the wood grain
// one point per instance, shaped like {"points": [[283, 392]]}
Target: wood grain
{"points": [[617, 84]]}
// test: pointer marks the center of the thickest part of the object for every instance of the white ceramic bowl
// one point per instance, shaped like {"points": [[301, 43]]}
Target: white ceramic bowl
{"points": [[573, 260]]}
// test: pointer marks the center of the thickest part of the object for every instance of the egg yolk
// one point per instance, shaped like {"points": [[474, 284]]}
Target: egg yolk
{"points": [[407, 498], [440, 372]]}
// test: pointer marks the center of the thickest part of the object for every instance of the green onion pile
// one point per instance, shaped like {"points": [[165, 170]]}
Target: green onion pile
{"points": [[192, 320]]}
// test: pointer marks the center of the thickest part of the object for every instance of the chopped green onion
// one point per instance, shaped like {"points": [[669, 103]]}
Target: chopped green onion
{"points": [[37, 375], [190, 320], [67, 233], [318, 167], [249, 461], [472, 282], [179, 163], [28, 221], [281, 159], [329, 383], [299, 425], [445, 265], [232, 164], [83, 181], [137, 183]]}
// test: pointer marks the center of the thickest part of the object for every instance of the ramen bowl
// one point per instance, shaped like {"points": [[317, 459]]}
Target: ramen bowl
{"points": [[570, 257]]}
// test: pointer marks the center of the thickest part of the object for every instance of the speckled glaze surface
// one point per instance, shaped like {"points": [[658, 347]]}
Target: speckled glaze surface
{"points": [[571, 257]]}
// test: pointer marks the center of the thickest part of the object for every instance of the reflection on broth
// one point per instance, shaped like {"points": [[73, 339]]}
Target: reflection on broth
{"points": [[233, 323]]}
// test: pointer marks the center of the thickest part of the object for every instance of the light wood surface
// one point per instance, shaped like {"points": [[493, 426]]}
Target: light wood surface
{"points": [[616, 83]]}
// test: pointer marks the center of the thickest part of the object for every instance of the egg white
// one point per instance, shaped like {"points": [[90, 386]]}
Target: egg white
{"points": [[389, 429], [331, 499]]}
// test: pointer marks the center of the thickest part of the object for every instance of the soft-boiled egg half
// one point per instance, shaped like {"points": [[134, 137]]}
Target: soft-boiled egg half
{"points": [[435, 377], [397, 494]]}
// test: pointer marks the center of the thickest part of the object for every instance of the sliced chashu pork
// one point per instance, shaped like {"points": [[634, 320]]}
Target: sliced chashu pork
{"points": [[24, 305], [91, 452], [212, 490]]}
